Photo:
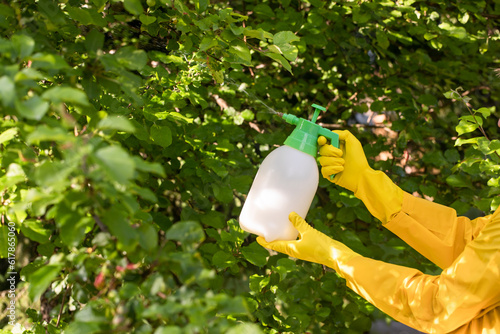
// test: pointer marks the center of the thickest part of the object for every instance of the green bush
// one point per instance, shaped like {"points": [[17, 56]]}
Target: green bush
{"points": [[131, 132]]}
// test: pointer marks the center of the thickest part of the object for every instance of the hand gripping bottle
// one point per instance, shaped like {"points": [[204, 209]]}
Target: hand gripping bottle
{"points": [[286, 181]]}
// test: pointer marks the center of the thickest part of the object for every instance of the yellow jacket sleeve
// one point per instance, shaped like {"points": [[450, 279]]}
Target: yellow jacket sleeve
{"points": [[434, 230], [458, 300]]}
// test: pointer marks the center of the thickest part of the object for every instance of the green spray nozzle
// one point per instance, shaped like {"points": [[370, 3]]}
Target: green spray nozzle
{"points": [[305, 135]]}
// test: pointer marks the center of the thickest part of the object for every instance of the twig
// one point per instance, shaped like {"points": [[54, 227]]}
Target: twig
{"points": [[100, 223], [480, 127], [341, 126], [62, 305]]}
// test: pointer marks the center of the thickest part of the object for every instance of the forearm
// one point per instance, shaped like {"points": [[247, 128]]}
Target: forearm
{"points": [[432, 229], [380, 195], [405, 294]]}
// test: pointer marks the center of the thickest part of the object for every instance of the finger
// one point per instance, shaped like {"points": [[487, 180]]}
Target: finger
{"points": [[331, 161], [330, 151], [328, 171], [278, 246], [343, 134], [321, 140]]}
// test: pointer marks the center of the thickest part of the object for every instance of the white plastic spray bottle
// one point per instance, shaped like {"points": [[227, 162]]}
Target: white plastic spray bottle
{"points": [[286, 181]]}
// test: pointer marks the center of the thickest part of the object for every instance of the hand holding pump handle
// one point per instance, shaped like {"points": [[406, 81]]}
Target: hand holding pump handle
{"points": [[286, 181]]}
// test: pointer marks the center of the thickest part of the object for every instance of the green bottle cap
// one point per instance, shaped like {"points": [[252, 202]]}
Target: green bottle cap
{"points": [[305, 135]]}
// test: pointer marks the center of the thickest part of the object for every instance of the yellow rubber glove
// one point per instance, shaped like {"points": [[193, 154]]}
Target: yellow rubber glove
{"points": [[380, 195], [312, 246]]}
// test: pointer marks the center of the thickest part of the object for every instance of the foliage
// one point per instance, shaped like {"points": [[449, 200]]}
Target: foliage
{"points": [[131, 131]]}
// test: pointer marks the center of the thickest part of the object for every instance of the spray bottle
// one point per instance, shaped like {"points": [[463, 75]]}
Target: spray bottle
{"points": [[286, 181]]}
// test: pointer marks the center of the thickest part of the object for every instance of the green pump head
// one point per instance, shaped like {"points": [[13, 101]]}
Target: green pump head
{"points": [[305, 135]]}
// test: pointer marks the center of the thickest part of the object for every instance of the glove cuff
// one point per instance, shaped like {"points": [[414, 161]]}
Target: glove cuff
{"points": [[380, 195]]}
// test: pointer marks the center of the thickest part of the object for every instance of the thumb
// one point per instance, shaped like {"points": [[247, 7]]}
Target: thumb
{"points": [[261, 241], [298, 222]]}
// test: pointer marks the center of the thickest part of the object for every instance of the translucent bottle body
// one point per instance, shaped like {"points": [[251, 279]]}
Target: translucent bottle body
{"points": [[286, 181]]}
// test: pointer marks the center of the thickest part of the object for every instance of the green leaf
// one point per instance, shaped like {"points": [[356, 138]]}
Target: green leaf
{"points": [[161, 135], [428, 190], [223, 193], [116, 162], [435, 157], [285, 37], [94, 41], [147, 20], [7, 238], [71, 224], [484, 145], [119, 123], [169, 330], [41, 279], [428, 36], [282, 45], [23, 45], [289, 51], [64, 94], [35, 231], [45, 133], [207, 42], [132, 58], [462, 141], [280, 60], [259, 33], [466, 127], [241, 51], [459, 181], [34, 108], [52, 173], [88, 315], [116, 220], [149, 167], [427, 99], [495, 145], [352, 241], [264, 10], [382, 39], [187, 232], [201, 5], [474, 119], [247, 115], [258, 282], [458, 32], [346, 215], [80, 14], [486, 112], [7, 91], [223, 259], [245, 328], [8, 135], [148, 237], [214, 219], [15, 174], [48, 61], [134, 7], [255, 254]]}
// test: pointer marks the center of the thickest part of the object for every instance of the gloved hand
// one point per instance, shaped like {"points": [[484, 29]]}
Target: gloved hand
{"points": [[346, 166], [312, 246], [381, 196]]}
